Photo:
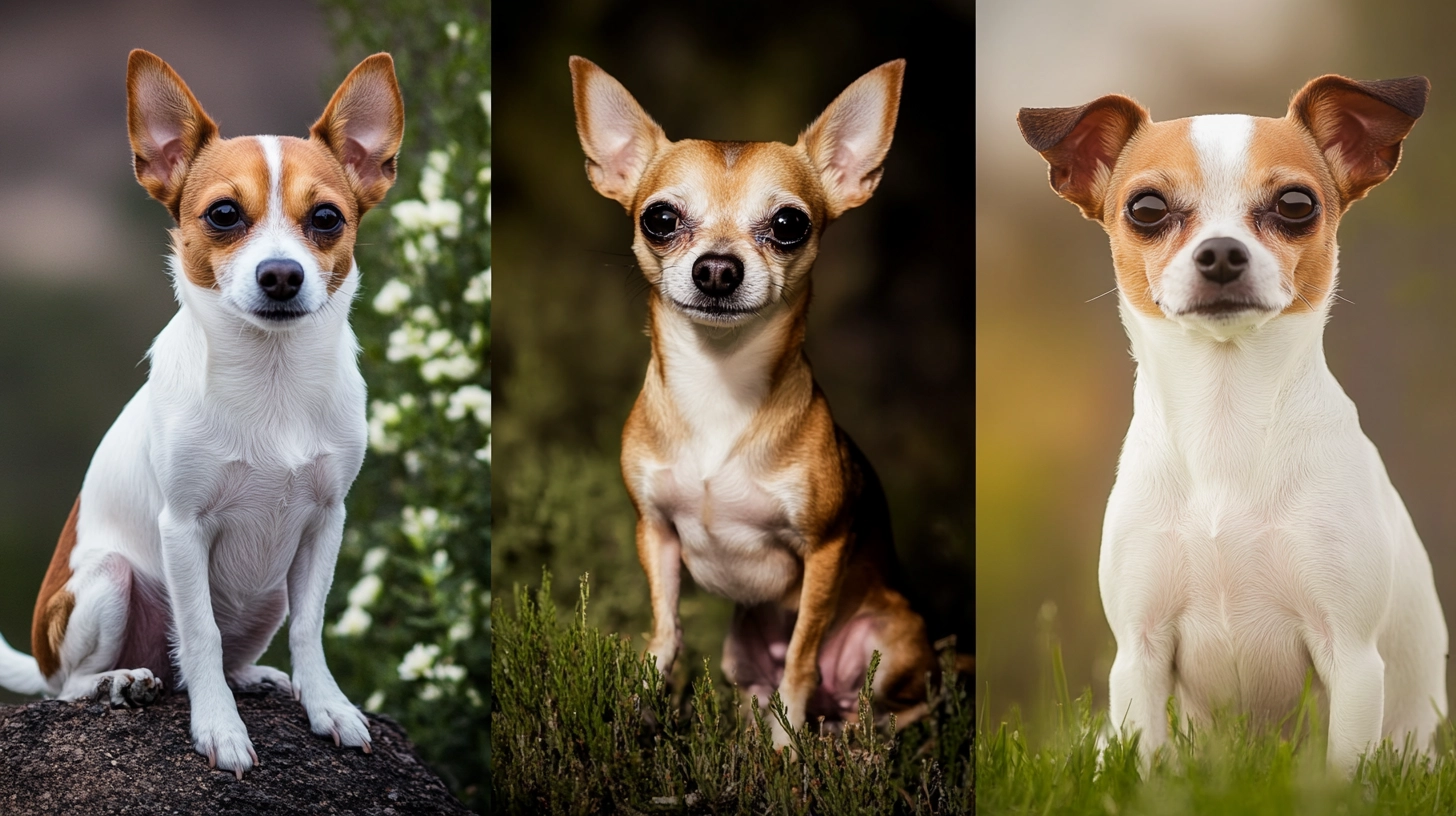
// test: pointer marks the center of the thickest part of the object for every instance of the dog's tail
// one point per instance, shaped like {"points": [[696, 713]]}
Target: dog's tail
{"points": [[19, 672]]}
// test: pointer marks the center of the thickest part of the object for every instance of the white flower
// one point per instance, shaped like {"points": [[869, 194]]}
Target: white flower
{"points": [[411, 215], [423, 525], [483, 177], [432, 185], [460, 630], [354, 621], [374, 702], [474, 697], [470, 399], [485, 102], [440, 562], [478, 289], [484, 453], [407, 401], [459, 367], [445, 216], [392, 295], [374, 559], [418, 660], [413, 462], [366, 592], [452, 30], [449, 672], [487, 208], [381, 416], [430, 692]]}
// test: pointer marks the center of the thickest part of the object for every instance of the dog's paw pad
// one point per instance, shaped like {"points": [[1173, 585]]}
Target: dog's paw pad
{"points": [[124, 688]]}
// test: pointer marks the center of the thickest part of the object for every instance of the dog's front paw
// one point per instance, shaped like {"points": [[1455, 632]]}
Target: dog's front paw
{"points": [[259, 678], [224, 741], [332, 715]]}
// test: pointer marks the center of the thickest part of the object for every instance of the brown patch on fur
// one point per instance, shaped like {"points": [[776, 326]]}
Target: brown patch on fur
{"points": [[1161, 158], [312, 176], [226, 168], [53, 605], [1283, 154]]}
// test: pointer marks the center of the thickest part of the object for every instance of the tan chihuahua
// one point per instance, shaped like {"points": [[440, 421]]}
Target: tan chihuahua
{"points": [[730, 455]]}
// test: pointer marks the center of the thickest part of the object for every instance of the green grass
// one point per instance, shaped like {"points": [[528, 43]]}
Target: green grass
{"points": [[1227, 766], [581, 724]]}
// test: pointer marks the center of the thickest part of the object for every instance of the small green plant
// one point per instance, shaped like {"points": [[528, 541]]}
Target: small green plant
{"points": [[1228, 766], [410, 633], [582, 724]]}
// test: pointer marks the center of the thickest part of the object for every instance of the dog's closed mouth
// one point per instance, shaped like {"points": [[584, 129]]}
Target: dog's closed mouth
{"points": [[715, 311], [1224, 307], [279, 315]]}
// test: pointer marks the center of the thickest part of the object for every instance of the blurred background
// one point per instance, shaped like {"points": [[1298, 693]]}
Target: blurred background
{"points": [[83, 286], [1053, 374], [889, 332]]}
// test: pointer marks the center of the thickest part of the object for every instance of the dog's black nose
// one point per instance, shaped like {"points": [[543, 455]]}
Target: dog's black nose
{"points": [[280, 278], [717, 275], [1221, 260]]}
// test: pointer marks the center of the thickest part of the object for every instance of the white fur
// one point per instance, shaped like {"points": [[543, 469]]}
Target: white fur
{"points": [[222, 483], [1253, 534]]}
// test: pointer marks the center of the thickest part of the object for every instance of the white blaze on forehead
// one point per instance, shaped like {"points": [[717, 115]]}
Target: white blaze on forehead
{"points": [[1221, 143], [273, 154]]}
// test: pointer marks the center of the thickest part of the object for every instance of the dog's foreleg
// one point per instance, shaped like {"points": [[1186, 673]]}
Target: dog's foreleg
{"points": [[329, 712], [1354, 677], [1138, 689], [218, 732], [818, 602], [660, 552]]}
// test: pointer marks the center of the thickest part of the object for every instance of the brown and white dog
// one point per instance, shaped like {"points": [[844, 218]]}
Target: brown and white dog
{"points": [[214, 506], [1252, 534], [730, 455]]}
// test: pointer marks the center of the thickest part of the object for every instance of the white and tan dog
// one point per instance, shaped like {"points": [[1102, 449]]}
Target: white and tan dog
{"points": [[730, 455], [215, 505], [1252, 533]]}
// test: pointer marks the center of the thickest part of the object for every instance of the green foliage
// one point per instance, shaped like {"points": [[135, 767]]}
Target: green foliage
{"points": [[582, 725], [411, 632], [1228, 766]]}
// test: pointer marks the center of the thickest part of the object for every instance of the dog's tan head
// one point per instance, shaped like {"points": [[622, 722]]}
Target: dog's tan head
{"points": [[267, 222], [726, 229], [1224, 222]]}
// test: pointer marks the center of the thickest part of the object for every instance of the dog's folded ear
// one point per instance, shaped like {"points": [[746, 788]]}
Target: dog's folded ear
{"points": [[1359, 126], [167, 126], [617, 135], [1082, 144], [363, 126], [849, 140]]}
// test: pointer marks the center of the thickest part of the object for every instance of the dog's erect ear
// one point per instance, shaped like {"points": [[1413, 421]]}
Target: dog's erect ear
{"points": [[618, 137], [849, 140], [1359, 126], [1082, 145], [363, 127], [166, 125]]}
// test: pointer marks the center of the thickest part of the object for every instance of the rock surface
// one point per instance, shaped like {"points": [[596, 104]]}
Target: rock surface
{"points": [[85, 758]]}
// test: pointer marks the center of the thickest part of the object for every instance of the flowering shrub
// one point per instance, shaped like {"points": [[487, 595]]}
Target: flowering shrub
{"points": [[409, 630]]}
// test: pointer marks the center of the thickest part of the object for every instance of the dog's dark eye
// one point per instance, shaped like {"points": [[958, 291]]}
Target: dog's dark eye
{"points": [[660, 221], [1295, 205], [224, 215], [1148, 209], [789, 226], [326, 218]]}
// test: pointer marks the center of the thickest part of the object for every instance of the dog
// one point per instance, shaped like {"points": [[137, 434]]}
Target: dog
{"points": [[730, 455], [1252, 534], [214, 506]]}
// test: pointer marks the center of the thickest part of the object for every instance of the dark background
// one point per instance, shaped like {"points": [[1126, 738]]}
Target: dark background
{"points": [[83, 285], [889, 331], [1054, 377]]}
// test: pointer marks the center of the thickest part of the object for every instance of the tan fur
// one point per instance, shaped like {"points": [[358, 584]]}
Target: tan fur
{"points": [[54, 604]]}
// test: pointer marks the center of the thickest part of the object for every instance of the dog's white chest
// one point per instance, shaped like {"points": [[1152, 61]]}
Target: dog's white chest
{"points": [[734, 525]]}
